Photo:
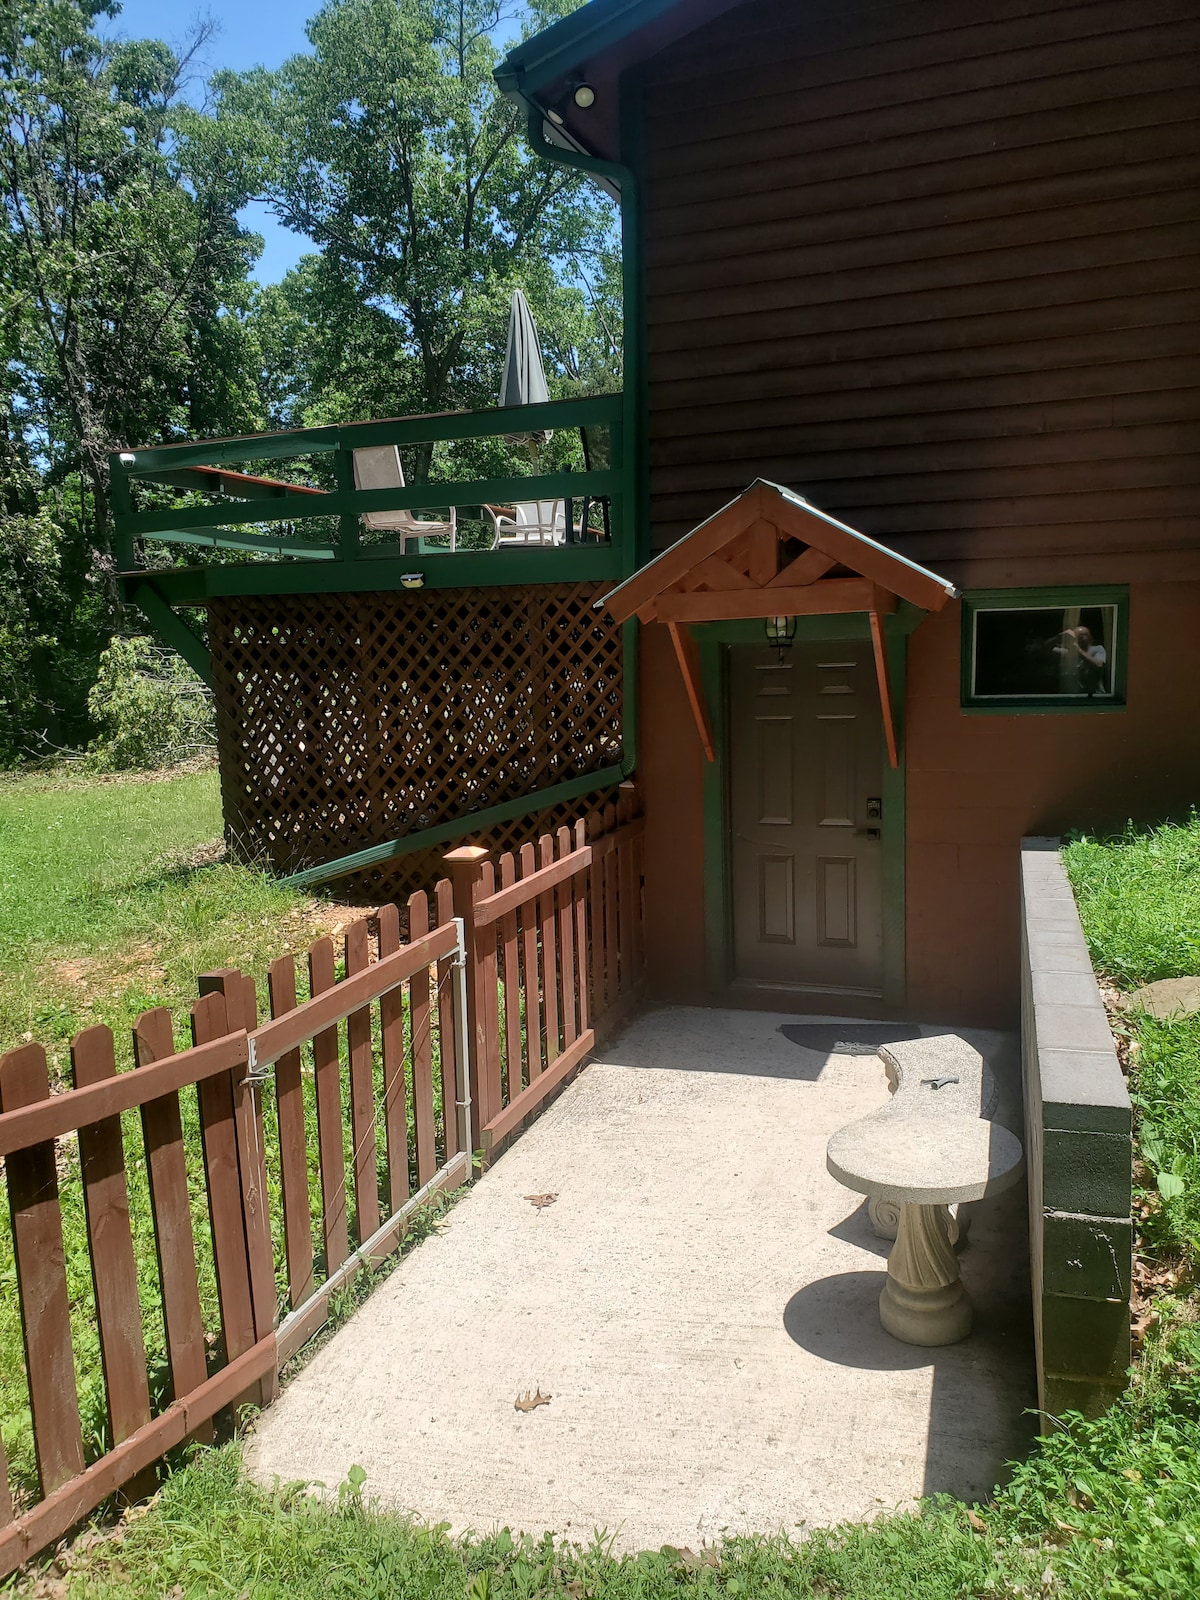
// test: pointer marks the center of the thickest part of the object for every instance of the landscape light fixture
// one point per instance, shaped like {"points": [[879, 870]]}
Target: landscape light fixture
{"points": [[584, 96], [412, 580], [126, 459]]}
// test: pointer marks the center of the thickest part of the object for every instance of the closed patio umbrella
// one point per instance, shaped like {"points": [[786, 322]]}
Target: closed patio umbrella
{"points": [[524, 380]]}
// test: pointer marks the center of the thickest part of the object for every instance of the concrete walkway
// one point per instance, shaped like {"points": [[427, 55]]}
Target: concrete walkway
{"points": [[700, 1303]]}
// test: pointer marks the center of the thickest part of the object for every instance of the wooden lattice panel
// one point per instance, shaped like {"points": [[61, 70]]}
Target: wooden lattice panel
{"points": [[349, 720]]}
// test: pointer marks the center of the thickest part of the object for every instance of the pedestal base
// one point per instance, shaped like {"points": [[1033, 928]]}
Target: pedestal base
{"points": [[923, 1301], [885, 1221]]}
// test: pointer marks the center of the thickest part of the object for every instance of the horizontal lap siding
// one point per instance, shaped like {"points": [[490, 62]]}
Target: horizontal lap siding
{"points": [[937, 271]]}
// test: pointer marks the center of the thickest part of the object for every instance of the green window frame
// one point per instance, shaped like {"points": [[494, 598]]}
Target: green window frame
{"points": [[976, 601]]}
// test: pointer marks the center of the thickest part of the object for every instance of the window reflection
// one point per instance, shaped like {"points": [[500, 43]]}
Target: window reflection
{"points": [[1049, 652]]}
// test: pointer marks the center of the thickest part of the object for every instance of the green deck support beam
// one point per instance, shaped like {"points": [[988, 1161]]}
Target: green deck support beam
{"points": [[172, 629], [227, 539]]}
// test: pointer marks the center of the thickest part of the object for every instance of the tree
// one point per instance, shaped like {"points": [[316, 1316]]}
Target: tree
{"points": [[124, 274], [394, 151]]}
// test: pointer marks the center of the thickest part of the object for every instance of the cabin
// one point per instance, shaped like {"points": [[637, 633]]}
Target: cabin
{"points": [[900, 560]]}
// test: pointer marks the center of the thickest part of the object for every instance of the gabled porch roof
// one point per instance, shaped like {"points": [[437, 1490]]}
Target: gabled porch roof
{"points": [[771, 554]]}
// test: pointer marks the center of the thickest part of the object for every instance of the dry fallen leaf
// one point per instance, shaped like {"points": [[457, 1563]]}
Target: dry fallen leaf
{"points": [[976, 1521], [541, 1201], [530, 1402]]}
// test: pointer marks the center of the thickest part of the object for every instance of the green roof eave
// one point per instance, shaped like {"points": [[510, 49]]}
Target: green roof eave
{"points": [[593, 28]]}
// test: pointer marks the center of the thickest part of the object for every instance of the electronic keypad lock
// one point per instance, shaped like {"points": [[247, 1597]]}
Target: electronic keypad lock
{"points": [[874, 808]]}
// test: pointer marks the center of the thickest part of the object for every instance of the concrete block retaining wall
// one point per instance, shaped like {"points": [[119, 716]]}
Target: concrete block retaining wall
{"points": [[1078, 1139]]}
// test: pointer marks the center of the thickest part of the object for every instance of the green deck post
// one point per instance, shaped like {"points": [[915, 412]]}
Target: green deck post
{"points": [[348, 526], [121, 501]]}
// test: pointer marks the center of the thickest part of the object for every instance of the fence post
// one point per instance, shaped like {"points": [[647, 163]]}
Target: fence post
{"points": [[242, 1012], [466, 872]]}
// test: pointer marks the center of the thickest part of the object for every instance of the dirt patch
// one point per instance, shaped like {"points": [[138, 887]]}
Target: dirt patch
{"points": [[209, 854], [109, 973]]}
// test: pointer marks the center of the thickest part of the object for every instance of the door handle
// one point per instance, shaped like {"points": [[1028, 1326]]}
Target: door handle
{"points": [[867, 833]]}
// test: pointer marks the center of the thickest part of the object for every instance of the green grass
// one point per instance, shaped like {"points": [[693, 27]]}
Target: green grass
{"points": [[104, 913], [1139, 900]]}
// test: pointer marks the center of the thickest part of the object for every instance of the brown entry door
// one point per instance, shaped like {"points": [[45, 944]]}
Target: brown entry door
{"points": [[805, 797]]}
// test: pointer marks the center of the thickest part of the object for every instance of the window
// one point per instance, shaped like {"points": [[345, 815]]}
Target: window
{"points": [[1044, 650]]}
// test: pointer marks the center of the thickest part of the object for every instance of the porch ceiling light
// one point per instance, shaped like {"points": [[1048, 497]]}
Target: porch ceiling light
{"points": [[584, 96]]}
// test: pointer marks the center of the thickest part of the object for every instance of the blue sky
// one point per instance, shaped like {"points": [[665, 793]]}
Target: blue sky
{"points": [[251, 33]]}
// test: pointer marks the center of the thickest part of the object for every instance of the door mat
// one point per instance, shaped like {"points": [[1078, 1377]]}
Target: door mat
{"points": [[847, 1038]]}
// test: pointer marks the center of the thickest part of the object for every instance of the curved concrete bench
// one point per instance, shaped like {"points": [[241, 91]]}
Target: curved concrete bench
{"points": [[932, 1146]]}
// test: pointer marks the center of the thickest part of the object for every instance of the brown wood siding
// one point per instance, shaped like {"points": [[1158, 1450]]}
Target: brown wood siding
{"points": [[975, 785], [938, 271]]}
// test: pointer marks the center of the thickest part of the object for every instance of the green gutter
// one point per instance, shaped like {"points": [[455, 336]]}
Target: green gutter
{"points": [[445, 831], [585, 33], [634, 437]]}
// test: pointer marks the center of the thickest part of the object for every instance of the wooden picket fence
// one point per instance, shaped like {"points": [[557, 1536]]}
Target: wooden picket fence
{"points": [[376, 1063], [556, 952]]}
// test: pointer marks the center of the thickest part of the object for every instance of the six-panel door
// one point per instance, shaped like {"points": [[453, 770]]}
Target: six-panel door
{"points": [[805, 800]]}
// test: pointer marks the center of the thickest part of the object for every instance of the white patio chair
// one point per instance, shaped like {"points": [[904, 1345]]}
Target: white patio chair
{"points": [[532, 522], [378, 467]]}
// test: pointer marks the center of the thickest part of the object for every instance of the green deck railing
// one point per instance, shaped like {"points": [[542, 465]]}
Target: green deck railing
{"points": [[247, 512]]}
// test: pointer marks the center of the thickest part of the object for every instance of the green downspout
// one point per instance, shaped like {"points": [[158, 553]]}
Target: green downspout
{"points": [[632, 442]]}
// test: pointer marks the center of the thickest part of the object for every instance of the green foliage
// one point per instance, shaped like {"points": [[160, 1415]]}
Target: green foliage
{"points": [[151, 708], [130, 315], [1139, 900], [1121, 1494], [125, 319], [393, 150]]}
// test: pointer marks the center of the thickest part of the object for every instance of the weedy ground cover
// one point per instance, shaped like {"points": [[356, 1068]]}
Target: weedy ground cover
{"points": [[114, 895]]}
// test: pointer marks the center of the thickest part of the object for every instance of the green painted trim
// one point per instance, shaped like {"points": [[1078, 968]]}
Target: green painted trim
{"points": [[714, 640], [630, 637], [894, 827], [355, 502], [469, 569], [482, 569], [445, 831], [173, 630], [632, 434], [348, 522], [121, 501], [718, 922], [226, 539], [569, 41], [636, 368], [974, 600], [496, 420]]}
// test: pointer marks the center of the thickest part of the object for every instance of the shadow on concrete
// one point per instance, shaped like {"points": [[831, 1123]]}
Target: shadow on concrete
{"points": [[856, 1229], [981, 1387], [837, 1319]]}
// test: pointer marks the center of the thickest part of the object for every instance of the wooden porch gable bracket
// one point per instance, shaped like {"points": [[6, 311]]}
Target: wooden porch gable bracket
{"points": [[771, 554]]}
